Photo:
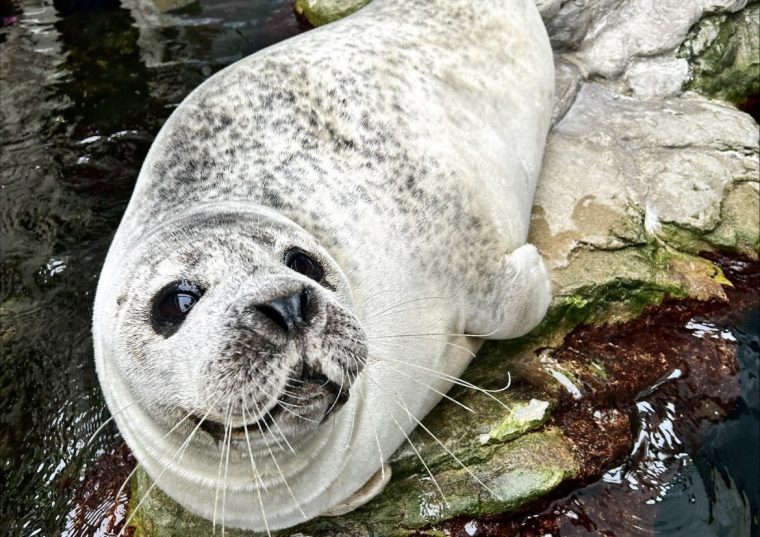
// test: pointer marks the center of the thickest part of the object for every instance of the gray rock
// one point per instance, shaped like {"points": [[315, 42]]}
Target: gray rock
{"points": [[615, 162]]}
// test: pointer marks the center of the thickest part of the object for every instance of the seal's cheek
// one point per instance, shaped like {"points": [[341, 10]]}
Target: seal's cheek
{"points": [[246, 375], [340, 350], [281, 367]]}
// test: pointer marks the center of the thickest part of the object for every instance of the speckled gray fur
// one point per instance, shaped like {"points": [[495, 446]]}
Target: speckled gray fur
{"points": [[399, 147]]}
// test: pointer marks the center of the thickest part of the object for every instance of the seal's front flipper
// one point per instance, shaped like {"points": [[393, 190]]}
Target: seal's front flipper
{"points": [[369, 490], [515, 299]]}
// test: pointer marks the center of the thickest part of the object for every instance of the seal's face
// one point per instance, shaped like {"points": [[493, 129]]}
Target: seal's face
{"points": [[239, 321]]}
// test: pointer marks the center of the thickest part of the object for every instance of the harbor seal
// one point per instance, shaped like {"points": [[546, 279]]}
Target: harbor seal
{"points": [[319, 238]]}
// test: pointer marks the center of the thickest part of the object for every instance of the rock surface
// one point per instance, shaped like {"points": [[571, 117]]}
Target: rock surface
{"points": [[724, 53], [641, 175], [319, 12]]}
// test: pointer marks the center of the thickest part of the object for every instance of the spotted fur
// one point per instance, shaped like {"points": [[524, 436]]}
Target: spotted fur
{"points": [[400, 147]]}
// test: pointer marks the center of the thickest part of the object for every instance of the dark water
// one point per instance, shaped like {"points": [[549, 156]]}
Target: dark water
{"points": [[716, 489], [85, 86], [723, 477], [694, 470]]}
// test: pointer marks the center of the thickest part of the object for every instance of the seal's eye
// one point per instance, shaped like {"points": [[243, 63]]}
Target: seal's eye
{"points": [[172, 304], [303, 264]]}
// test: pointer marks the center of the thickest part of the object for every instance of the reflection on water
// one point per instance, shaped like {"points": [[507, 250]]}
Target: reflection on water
{"points": [[694, 467], [86, 84]]}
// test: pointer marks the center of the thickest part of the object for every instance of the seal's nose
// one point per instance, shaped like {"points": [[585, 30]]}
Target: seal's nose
{"points": [[287, 312]]}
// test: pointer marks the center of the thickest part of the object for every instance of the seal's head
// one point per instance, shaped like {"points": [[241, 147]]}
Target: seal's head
{"points": [[238, 318]]}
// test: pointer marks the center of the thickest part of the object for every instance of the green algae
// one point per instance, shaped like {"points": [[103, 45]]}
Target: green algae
{"points": [[321, 12], [523, 418], [723, 51], [511, 478]]}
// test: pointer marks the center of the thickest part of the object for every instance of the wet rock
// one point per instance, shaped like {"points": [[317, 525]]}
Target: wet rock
{"points": [[644, 175], [101, 501], [319, 12], [640, 178]]}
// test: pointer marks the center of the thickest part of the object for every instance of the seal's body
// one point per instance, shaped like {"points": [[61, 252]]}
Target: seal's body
{"points": [[313, 232]]}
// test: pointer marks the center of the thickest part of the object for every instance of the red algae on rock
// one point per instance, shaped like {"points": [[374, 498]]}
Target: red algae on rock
{"points": [[100, 503], [651, 387]]}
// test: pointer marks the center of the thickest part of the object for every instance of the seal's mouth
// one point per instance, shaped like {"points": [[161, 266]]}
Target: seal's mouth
{"points": [[325, 396]]}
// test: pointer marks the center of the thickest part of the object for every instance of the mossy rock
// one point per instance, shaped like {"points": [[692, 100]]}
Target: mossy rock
{"points": [[723, 51], [320, 12]]}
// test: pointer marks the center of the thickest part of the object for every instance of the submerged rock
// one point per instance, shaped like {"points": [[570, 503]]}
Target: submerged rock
{"points": [[640, 178]]}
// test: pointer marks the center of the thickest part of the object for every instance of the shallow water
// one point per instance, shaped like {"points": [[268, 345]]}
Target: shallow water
{"points": [[86, 84]]}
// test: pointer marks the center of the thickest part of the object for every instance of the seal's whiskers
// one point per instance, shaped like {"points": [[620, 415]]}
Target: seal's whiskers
{"points": [[138, 465], [412, 336], [257, 477], [274, 459], [416, 451], [260, 387], [337, 398], [445, 396], [287, 407], [282, 434], [458, 381], [392, 309], [402, 404], [284, 406], [221, 460], [109, 420], [226, 467], [177, 455], [442, 334], [274, 422], [377, 440], [353, 413]]}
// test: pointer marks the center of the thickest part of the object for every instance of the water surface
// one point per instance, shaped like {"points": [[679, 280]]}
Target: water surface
{"points": [[85, 86]]}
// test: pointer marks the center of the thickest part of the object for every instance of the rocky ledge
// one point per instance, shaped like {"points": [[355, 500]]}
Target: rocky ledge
{"points": [[646, 177]]}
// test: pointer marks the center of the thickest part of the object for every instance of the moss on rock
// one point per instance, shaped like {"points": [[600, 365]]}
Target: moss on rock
{"points": [[320, 12], [723, 51]]}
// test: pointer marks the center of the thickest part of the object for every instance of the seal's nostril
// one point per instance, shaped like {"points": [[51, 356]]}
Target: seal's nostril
{"points": [[305, 301], [287, 312]]}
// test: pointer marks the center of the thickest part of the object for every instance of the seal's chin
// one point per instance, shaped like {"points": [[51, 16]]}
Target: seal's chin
{"points": [[307, 402]]}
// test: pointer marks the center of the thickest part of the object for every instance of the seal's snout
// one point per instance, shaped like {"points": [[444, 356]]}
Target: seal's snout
{"points": [[287, 312], [287, 357]]}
